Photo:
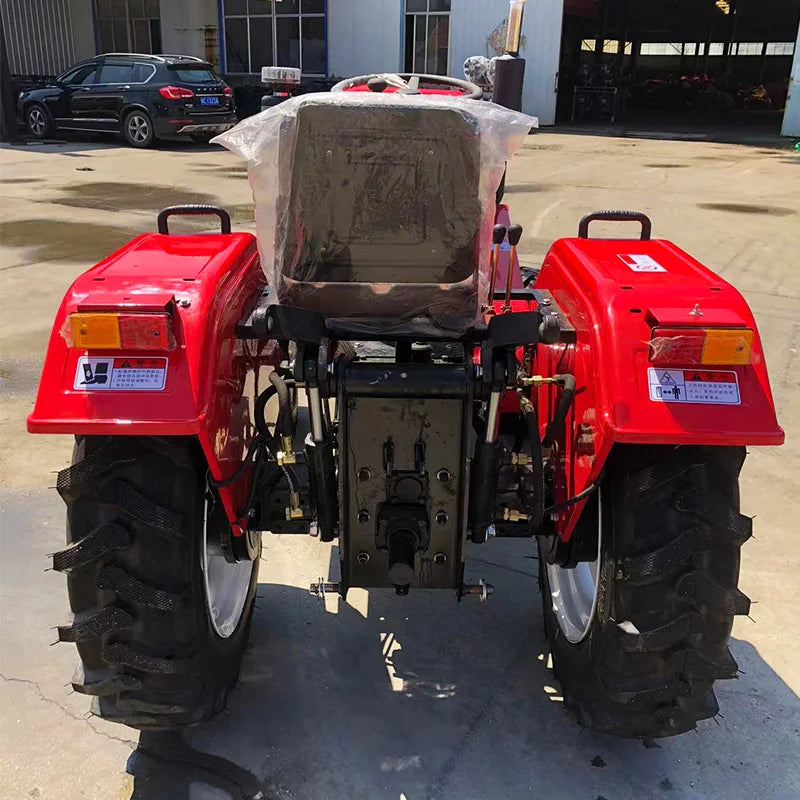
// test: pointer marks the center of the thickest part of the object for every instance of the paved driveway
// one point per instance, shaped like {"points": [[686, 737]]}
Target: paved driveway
{"points": [[385, 697]]}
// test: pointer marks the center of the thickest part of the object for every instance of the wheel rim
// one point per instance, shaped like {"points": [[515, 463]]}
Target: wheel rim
{"points": [[138, 128], [36, 121], [226, 585], [573, 592]]}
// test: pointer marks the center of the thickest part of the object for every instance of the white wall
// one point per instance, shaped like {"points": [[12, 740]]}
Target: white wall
{"points": [[364, 36], [183, 24], [472, 23], [791, 117]]}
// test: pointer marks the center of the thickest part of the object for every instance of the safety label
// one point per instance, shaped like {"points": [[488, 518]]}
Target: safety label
{"points": [[693, 386], [122, 374], [641, 263]]}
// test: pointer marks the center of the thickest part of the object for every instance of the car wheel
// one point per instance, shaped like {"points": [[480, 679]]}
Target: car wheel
{"points": [[38, 121], [138, 129]]}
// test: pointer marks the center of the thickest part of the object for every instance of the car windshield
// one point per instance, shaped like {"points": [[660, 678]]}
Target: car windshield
{"points": [[196, 75]]}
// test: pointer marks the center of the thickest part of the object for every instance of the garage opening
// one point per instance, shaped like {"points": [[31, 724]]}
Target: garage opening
{"points": [[688, 66]]}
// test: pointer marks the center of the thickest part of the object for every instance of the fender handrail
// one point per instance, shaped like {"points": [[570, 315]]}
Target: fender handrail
{"points": [[194, 210], [616, 216]]}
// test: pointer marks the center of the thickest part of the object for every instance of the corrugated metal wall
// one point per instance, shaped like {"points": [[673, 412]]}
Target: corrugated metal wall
{"points": [[38, 35]]}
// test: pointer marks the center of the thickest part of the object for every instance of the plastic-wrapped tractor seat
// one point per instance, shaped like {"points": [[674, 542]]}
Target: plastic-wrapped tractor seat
{"points": [[383, 214], [378, 208]]}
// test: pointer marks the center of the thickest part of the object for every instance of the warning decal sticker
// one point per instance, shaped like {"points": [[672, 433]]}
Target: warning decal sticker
{"points": [[693, 386], [121, 374], [641, 263]]}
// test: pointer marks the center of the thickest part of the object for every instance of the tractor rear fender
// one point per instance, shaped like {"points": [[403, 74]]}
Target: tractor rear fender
{"points": [[203, 385], [619, 294]]}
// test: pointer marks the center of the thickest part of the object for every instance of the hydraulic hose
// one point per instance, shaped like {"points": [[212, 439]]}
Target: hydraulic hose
{"points": [[254, 451], [260, 408], [283, 425], [536, 506], [567, 381], [281, 387]]}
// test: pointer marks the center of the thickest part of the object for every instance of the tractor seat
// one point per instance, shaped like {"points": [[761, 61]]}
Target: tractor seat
{"points": [[383, 214]]}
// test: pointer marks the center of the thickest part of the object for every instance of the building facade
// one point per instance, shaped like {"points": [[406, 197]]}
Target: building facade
{"points": [[339, 38], [324, 38]]}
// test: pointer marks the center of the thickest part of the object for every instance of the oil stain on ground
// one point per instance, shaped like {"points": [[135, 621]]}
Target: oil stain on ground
{"points": [[53, 240], [12, 181], [236, 171], [740, 208], [519, 188], [666, 166], [129, 196], [136, 197]]}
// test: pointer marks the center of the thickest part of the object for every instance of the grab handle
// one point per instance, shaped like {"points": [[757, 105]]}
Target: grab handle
{"points": [[196, 210], [616, 216]]}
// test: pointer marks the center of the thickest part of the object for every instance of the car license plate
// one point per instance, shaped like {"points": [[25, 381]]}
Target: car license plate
{"points": [[209, 101]]}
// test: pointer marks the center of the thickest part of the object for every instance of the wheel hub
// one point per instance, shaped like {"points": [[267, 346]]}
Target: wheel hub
{"points": [[226, 584], [573, 592], [138, 128], [36, 120]]}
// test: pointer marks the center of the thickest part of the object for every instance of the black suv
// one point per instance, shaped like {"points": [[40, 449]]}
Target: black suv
{"points": [[143, 97]]}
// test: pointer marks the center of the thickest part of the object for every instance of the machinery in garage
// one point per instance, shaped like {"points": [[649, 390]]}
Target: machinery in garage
{"points": [[698, 63], [376, 368]]}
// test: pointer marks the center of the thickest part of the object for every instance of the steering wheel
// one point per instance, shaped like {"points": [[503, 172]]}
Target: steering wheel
{"points": [[377, 83]]}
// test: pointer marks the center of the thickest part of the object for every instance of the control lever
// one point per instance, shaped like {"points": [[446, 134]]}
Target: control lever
{"points": [[498, 234], [514, 235]]}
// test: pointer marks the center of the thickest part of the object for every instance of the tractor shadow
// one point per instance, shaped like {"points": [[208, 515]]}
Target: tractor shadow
{"points": [[428, 699]]}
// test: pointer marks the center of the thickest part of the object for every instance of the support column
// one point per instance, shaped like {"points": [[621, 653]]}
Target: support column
{"points": [[763, 65], [708, 40]]}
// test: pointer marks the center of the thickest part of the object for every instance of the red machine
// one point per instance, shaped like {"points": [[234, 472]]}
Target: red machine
{"points": [[601, 405]]}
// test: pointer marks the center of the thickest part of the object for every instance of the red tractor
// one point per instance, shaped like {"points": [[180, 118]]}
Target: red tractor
{"points": [[380, 371]]}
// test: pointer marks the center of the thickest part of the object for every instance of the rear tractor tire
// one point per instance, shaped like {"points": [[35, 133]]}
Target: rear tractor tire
{"points": [[160, 619], [639, 636]]}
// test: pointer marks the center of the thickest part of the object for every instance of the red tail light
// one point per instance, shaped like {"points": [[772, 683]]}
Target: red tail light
{"points": [[711, 346], [227, 91], [119, 331], [175, 92]]}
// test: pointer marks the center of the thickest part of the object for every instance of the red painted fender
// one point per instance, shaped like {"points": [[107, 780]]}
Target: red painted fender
{"points": [[206, 282], [614, 301]]}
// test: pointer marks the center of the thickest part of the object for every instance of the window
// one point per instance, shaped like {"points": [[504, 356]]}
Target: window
{"points": [[129, 26], [143, 72], [199, 75], [780, 48], [660, 48], [116, 73], [427, 36], [290, 33], [82, 76]]}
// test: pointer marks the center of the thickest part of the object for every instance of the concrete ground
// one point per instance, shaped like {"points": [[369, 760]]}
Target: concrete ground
{"points": [[383, 697]]}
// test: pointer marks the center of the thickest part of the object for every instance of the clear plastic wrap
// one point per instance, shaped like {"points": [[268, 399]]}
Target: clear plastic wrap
{"points": [[378, 206]]}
